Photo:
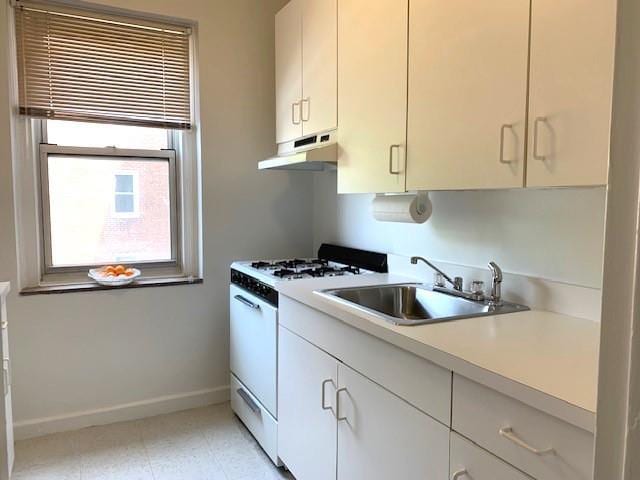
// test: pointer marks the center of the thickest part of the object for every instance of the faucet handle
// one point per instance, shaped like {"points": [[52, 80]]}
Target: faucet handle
{"points": [[458, 283], [438, 279]]}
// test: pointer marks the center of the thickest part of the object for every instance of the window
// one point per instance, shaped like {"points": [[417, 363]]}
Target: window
{"points": [[105, 113], [125, 198], [104, 205]]}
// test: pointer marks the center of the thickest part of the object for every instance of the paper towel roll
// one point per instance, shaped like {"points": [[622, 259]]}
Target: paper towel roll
{"points": [[413, 208]]}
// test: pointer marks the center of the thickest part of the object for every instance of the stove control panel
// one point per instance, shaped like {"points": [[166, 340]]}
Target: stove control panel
{"points": [[256, 287]]}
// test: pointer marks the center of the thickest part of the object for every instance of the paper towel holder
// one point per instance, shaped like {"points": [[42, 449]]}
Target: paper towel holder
{"points": [[421, 197], [409, 207]]}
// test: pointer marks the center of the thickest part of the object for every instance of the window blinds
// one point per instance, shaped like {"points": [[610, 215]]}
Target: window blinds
{"points": [[85, 66]]}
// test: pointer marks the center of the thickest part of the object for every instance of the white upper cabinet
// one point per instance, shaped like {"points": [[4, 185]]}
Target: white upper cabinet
{"points": [[372, 95], [467, 94], [572, 54], [306, 69], [289, 72], [319, 104]]}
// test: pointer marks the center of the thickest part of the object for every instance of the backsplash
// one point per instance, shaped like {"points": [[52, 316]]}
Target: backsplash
{"points": [[536, 293], [550, 234]]}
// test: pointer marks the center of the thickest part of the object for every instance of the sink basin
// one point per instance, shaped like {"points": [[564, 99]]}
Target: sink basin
{"points": [[414, 304]]}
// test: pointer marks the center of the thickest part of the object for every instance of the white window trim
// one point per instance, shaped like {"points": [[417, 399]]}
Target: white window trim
{"points": [[26, 136], [135, 193]]}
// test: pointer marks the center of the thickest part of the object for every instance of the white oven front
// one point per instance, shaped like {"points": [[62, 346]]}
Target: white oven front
{"points": [[253, 345]]}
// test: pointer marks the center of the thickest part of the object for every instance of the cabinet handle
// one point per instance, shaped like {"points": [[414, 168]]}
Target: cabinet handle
{"points": [[6, 374], [502, 130], [507, 433], [537, 122], [248, 400], [391, 149], [246, 302], [458, 474], [324, 407], [308, 102], [293, 113], [338, 392]]}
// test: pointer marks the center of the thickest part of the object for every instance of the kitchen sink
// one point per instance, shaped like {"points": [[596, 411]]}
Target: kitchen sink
{"points": [[415, 304]]}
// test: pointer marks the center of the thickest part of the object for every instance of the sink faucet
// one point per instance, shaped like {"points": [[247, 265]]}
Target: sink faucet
{"points": [[456, 282], [496, 284]]}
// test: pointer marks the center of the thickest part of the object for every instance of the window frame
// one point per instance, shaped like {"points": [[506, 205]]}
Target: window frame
{"points": [[151, 266]]}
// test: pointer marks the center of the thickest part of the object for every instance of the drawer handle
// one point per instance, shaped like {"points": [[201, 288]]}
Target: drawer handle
{"points": [[246, 302], [507, 433], [458, 474], [248, 400]]}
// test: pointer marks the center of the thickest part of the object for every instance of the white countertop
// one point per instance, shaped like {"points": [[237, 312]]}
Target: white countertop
{"points": [[547, 360]]}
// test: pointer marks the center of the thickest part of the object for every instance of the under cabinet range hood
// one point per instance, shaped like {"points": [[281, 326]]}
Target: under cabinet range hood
{"points": [[314, 153]]}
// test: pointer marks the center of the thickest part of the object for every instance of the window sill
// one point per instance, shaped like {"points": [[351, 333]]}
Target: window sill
{"points": [[94, 287]]}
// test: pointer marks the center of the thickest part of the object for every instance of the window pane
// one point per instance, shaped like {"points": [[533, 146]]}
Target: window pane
{"points": [[86, 225], [124, 204], [79, 134], [124, 183]]}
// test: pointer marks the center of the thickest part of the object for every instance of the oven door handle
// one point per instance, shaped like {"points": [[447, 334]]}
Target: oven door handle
{"points": [[248, 400], [246, 302]]}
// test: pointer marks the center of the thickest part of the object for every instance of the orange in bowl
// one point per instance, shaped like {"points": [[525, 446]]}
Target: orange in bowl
{"points": [[119, 270]]}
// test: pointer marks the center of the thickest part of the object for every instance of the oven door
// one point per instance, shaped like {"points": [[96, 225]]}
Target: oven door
{"points": [[253, 346]]}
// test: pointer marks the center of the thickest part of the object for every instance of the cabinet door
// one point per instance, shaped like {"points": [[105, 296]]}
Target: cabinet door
{"points": [[6, 416], [467, 94], [307, 378], [572, 53], [372, 95], [319, 66], [289, 72], [381, 436], [471, 462]]}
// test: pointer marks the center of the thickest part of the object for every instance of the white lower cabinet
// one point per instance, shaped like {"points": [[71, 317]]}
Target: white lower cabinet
{"points": [[470, 462], [306, 422], [335, 423], [381, 436]]}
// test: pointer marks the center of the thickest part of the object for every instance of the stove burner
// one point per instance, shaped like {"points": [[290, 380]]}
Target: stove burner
{"points": [[349, 269], [283, 273], [260, 265]]}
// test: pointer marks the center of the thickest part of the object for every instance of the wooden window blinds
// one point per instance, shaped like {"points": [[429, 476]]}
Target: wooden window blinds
{"points": [[75, 64]]}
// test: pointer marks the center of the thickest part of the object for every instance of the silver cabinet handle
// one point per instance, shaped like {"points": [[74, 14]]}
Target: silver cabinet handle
{"points": [[507, 432], [306, 100], [293, 113], [324, 407], [4, 324], [391, 149], [338, 392], [246, 302], [6, 375], [537, 122], [248, 400], [502, 130], [458, 474]]}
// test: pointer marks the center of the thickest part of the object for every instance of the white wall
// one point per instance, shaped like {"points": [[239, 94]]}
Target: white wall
{"points": [[552, 234], [84, 351]]}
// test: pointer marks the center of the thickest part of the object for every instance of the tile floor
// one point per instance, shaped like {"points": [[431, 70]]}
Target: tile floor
{"points": [[202, 444]]}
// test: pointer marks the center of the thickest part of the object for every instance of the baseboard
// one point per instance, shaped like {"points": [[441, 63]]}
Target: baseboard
{"points": [[120, 413]]}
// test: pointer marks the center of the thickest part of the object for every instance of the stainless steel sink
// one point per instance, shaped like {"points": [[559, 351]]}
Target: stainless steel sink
{"points": [[414, 304]]}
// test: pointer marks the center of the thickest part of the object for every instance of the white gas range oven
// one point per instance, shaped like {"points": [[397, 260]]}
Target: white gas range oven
{"points": [[253, 311]]}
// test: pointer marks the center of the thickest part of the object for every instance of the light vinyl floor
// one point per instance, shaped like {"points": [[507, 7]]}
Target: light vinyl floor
{"points": [[202, 444]]}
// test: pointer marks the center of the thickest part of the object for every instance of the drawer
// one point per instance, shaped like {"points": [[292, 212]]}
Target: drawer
{"points": [[421, 383], [541, 445], [470, 462], [256, 418]]}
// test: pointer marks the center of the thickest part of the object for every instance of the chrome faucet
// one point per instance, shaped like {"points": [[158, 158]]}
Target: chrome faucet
{"points": [[496, 284], [455, 282]]}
